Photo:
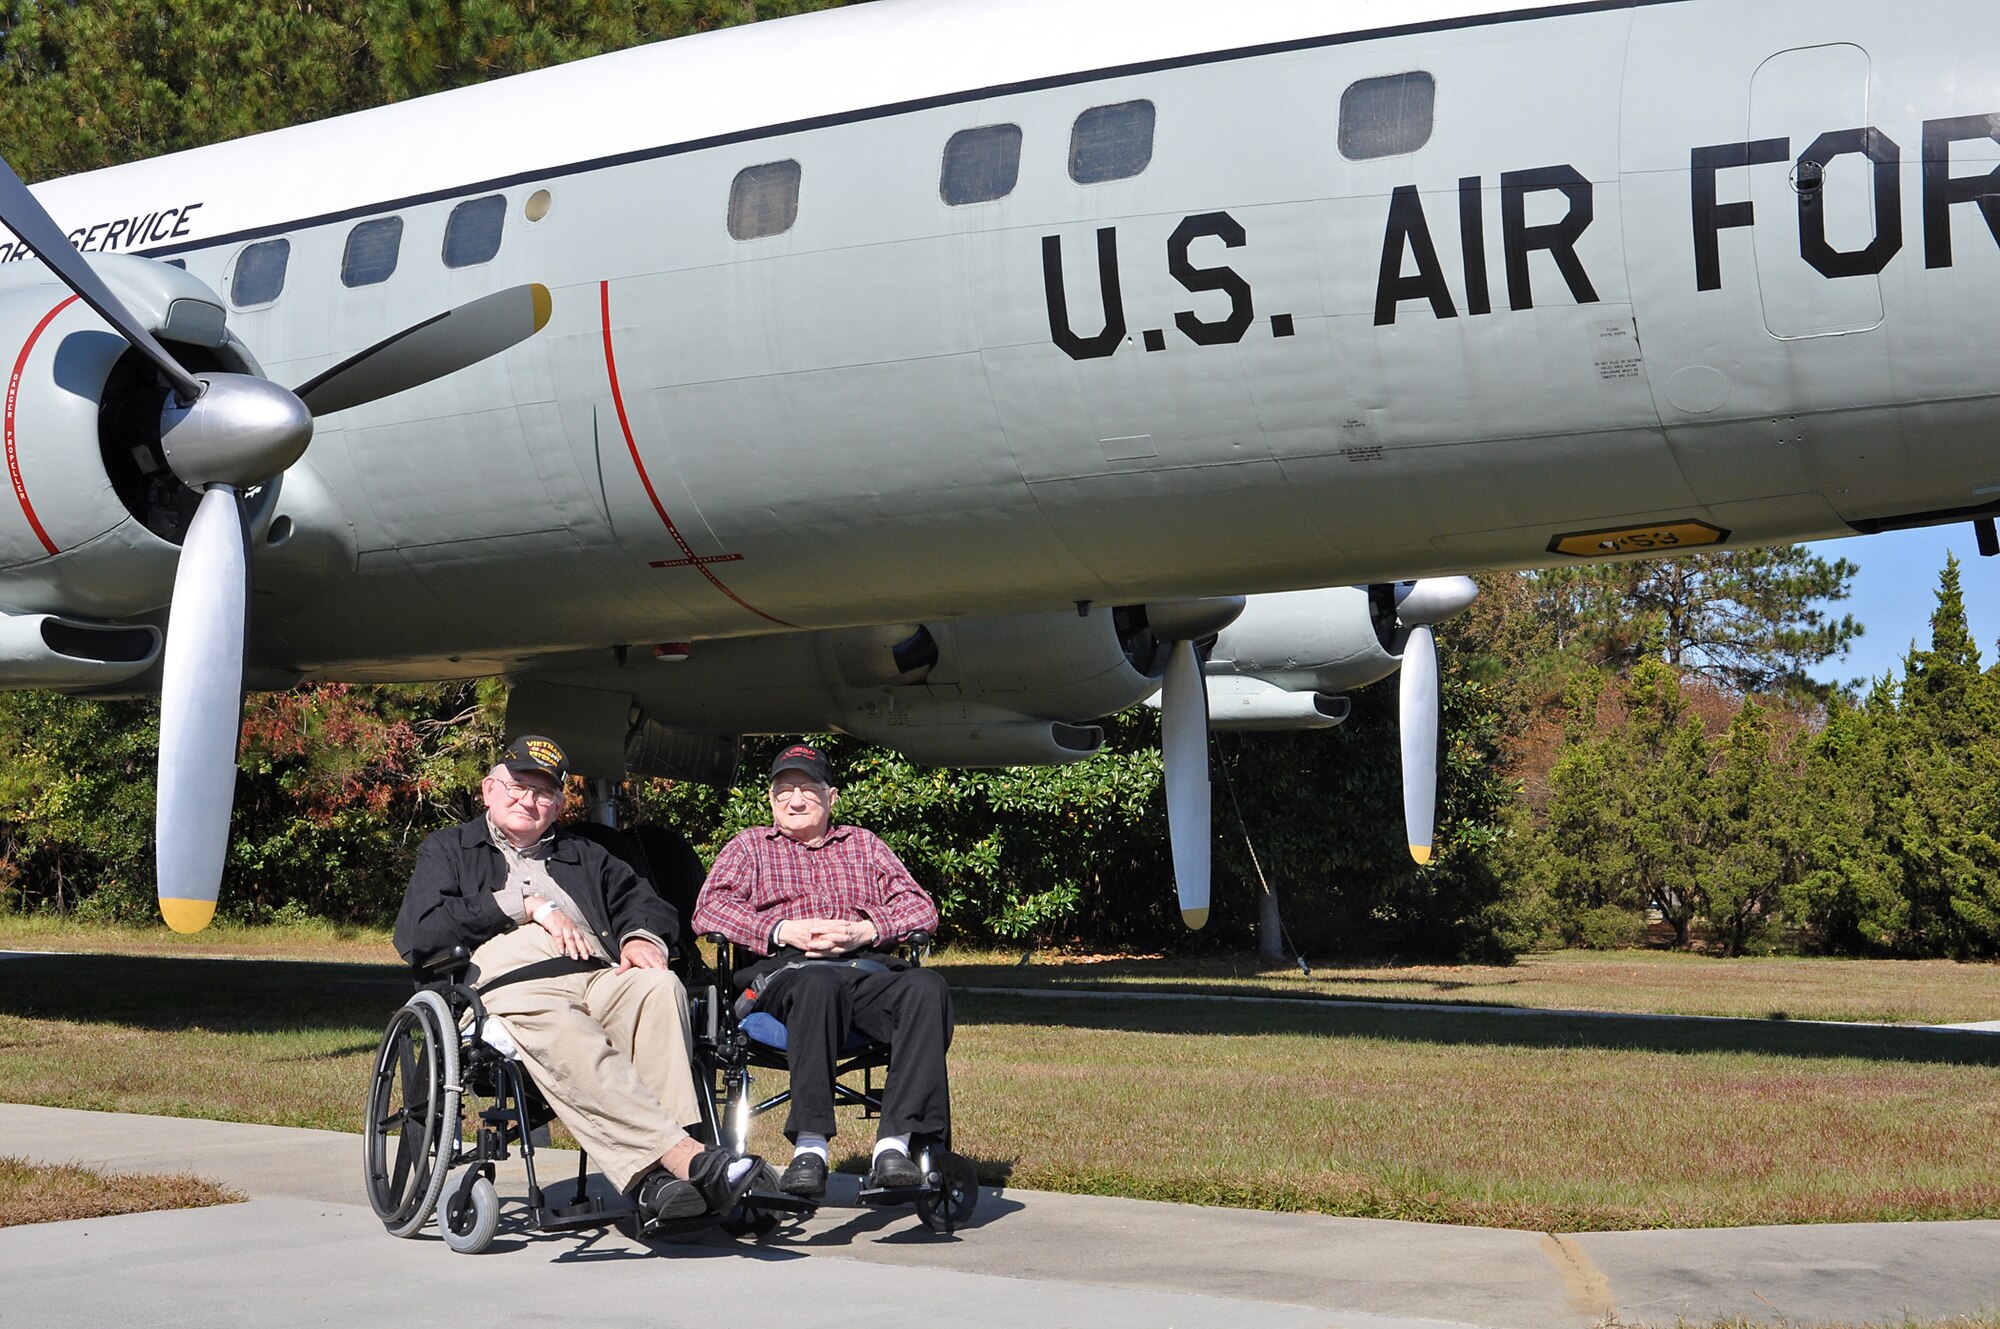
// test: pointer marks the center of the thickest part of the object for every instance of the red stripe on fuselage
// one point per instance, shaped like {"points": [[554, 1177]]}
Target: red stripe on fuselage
{"points": [[13, 400], [688, 557]]}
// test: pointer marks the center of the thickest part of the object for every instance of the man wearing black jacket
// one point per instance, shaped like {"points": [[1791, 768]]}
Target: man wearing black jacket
{"points": [[569, 949]]}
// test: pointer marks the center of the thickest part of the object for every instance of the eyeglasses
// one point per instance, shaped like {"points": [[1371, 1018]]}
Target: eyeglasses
{"points": [[817, 793], [527, 793]]}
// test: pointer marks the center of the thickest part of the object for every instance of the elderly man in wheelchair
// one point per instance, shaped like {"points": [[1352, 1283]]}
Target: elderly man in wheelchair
{"points": [[819, 907], [508, 916]]}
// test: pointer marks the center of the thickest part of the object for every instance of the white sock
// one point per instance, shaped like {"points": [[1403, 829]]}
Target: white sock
{"points": [[739, 1168], [884, 1143], [808, 1143]]}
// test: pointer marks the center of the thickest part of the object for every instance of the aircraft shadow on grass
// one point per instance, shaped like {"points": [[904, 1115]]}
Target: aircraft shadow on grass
{"points": [[168, 993]]}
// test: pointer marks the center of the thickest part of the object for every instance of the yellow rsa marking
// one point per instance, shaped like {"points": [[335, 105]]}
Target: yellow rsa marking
{"points": [[1673, 535]]}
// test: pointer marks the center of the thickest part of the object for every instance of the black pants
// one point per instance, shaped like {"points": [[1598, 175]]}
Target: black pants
{"points": [[909, 1009]]}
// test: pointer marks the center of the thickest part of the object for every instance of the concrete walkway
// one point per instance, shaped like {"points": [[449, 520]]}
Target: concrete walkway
{"points": [[306, 1249]]}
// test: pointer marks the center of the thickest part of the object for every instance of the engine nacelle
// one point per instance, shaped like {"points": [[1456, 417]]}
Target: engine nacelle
{"points": [[1329, 640], [97, 514], [987, 692], [977, 736], [606, 734], [1250, 705], [44, 651]]}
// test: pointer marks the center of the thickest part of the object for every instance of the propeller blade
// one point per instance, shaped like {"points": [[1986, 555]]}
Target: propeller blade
{"points": [[201, 709], [1184, 753], [429, 350], [23, 214], [1419, 722]]}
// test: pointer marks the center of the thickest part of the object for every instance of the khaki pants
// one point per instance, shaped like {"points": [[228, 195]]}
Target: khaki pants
{"points": [[609, 1051]]}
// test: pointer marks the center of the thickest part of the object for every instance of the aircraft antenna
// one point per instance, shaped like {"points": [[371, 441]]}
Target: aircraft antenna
{"points": [[1242, 826]]}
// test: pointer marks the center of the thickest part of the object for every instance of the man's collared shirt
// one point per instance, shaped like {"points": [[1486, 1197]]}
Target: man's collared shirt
{"points": [[763, 877], [528, 874]]}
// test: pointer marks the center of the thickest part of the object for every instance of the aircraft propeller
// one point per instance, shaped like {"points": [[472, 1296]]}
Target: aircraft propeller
{"points": [[1420, 606], [1184, 739], [222, 434]]}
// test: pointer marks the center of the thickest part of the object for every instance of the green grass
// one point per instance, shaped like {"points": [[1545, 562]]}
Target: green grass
{"points": [[1888, 991], [1545, 1122]]}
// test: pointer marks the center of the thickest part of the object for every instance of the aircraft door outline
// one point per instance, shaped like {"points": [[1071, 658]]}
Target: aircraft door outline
{"points": [[1828, 209]]}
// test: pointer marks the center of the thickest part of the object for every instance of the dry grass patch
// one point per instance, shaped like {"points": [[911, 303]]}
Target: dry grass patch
{"points": [[45, 1193]]}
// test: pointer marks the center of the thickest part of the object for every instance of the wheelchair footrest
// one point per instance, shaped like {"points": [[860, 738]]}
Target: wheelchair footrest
{"points": [[592, 1212], [777, 1202], [893, 1194]]}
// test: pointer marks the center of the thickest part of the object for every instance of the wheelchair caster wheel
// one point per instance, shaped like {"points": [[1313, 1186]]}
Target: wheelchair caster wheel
{"points": [[470, 1217], [956, 1196]]}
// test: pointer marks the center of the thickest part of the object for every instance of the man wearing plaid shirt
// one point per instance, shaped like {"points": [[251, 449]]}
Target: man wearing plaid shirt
{"points": [[820, 902]]}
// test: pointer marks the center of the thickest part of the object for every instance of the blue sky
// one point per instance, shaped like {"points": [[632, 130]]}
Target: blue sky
{"points": [[1896, 589]]}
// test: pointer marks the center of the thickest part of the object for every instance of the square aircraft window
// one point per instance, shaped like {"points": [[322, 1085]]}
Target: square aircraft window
{"points": [[371, 252], [764, 200], [1111, 142], [1387, 117], [981, 164], [472, 232], [259, 274]]}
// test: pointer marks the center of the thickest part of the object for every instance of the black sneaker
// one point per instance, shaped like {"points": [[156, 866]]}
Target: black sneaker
{"points": [[894, 1170], [805, 1178], [663, 1197], [709, 1173]]}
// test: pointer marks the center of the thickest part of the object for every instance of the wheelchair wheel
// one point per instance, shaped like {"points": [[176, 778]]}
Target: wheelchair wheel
{"points": [[957, 1194], [411, 1123], [471, 1216]]}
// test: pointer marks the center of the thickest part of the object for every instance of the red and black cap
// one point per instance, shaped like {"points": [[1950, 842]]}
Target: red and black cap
{"points": [[805, 760], [532, 754]]}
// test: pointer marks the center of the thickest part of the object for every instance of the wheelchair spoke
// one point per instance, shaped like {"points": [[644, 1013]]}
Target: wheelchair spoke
{"points": [[399, 1171], [407, 1062]]}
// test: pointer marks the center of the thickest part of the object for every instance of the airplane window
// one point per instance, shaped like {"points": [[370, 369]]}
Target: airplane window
{"points": [[371, 252], [472, 232], [981, 164], [1386, 117], [1111, 142], [259, 273], [764, 200]]}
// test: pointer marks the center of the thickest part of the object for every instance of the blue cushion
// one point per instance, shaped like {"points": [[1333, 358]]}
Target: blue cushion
{"points": [[766, 1028]]}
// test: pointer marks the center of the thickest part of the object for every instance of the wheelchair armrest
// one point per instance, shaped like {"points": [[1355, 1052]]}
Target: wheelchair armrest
{"points": [[451, 963], [725, 958]]}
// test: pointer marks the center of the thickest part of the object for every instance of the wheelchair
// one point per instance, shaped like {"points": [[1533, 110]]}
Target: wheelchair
{"points": [[736, 1049], [440, 1047]]}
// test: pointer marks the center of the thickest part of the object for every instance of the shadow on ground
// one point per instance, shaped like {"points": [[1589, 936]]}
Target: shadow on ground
{"points": [[174, 993]]}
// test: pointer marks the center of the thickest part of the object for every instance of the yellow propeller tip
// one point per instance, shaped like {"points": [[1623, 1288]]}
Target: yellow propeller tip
{"points": [[1194, 918], [1420, 852], [539, 295], [187, 915]]}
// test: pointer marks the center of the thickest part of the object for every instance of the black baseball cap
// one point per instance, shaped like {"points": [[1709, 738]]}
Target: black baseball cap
{"points": [[805, 760], [532, 754]]}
